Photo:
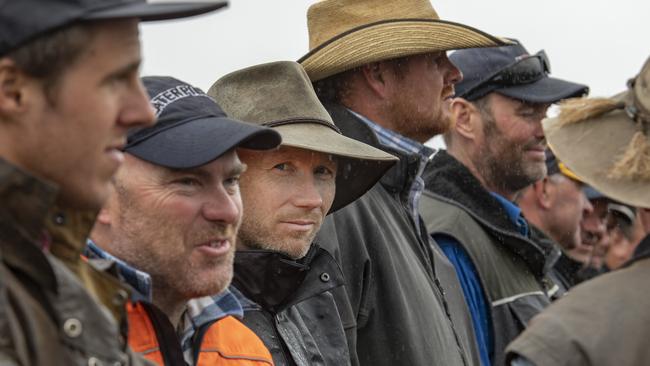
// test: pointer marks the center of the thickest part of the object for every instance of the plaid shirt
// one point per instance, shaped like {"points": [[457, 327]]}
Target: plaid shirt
{"points": [[198, 313], [405, 145]]}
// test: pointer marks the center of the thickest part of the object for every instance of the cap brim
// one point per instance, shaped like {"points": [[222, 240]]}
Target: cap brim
{"points": [[201, 141], [392, 39], [157, 11], [546, 90], [360, 166], [592, 193]]}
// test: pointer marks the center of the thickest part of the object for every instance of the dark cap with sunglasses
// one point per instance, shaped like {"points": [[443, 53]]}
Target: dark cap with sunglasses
{"points": [[513, 72]]}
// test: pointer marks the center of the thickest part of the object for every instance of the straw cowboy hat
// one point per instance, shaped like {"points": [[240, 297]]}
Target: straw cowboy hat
{"points": [[279, 95], [344, 34], [604, 141]]}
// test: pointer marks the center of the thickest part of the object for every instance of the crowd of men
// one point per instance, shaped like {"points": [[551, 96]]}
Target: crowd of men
{"points": [[293, 215]]}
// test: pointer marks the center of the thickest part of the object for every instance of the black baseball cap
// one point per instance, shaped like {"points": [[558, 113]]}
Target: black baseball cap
{"points": [[513, 72], [192, 130], [24, 20]]}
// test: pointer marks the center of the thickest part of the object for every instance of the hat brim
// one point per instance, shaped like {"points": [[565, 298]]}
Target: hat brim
{"points": [[201, 141], [360, 165], [158, 11], [590, 149], [391, 39], [545, 90]]}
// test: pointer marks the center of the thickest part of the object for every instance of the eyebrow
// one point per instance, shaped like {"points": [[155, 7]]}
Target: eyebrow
{"points": [[126, 70]]}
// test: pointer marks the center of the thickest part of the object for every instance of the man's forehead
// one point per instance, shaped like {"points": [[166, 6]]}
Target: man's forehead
{"points": [[290, 152]]}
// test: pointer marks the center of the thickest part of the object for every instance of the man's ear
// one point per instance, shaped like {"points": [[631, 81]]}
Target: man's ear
{"points": [[12, 87], [377, 78], [462, 115], [544, 191]]}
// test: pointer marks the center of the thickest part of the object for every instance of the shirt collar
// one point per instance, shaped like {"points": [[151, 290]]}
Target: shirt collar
{"points": [[139, 280], [395, 140], [205, 310], [514, 213]]}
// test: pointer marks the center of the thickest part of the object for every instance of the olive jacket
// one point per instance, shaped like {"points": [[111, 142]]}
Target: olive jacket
{"points": [[55, 308]]}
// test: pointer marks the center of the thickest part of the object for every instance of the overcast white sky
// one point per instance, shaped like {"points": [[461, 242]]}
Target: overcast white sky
{"points": [[597, 42], [601, 43]]}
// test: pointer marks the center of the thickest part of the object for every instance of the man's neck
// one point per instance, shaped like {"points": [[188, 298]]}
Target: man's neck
{"points": [[167, 304]]}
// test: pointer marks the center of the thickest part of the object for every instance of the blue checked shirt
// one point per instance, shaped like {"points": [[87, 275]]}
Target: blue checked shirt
{"points": [[198, 313], [404, 144]]}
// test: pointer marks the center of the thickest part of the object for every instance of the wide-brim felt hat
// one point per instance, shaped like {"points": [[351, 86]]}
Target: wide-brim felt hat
{"points": [[344, 34], [280, 95], [604, 141]]}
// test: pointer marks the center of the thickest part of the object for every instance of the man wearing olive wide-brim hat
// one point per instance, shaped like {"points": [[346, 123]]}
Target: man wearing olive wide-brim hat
{"points": [[381, 69], [287, 278], [604, 321]]}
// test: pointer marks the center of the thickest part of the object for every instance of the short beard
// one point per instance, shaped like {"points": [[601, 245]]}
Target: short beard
{"points": [[254, 236], [505, 172]]}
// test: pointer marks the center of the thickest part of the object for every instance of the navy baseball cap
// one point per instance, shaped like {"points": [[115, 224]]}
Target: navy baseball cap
{"points": [[24, 20], [513, 72], [191, 130]]}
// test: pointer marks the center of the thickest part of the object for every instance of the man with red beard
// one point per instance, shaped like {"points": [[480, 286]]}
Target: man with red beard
{"points": [[382, 72], [170, 226], [495, 149]]}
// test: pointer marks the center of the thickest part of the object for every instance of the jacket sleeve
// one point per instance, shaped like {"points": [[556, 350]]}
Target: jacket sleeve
{"points": [[473, 291]]}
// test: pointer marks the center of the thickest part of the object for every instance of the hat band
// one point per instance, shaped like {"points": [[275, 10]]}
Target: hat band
{"points": [[386, 21], [526, 70], [290, 121]]}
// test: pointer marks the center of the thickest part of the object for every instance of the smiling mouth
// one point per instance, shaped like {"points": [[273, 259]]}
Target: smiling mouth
{"points": [[216, 247]]}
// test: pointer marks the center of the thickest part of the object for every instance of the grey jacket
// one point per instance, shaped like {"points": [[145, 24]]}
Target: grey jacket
{"points": [[402, 297], [604, 321], [511, 268], [47, 314]]}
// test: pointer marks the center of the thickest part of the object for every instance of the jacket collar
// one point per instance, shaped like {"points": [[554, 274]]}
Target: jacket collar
{"points": [[276, 282], [449, 180], [31, 222], [397, 179], [26, 203]]}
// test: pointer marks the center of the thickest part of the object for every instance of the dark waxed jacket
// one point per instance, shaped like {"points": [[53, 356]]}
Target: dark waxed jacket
{"points": [[512, 268], [48, 309], [601, 322], [403, 301], [289, 305]]}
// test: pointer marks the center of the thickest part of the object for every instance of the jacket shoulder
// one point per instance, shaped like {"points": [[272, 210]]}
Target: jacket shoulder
{"points": [[230, 342]]}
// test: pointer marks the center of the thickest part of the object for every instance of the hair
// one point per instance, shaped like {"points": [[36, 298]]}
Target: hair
{"points": [[49, 56], [336, 88]]}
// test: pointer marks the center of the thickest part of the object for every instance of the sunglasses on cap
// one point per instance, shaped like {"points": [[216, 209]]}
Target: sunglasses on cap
{"points": [[527, 69]]}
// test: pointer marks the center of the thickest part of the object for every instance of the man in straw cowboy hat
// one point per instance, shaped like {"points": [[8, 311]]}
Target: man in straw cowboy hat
{"points": [[382, 70], [496, 148], [170, 226], [69, 92], [604, 321], [287, 193]]}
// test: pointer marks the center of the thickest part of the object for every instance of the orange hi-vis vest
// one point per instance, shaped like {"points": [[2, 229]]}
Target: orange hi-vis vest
{"points": [[227, 342]]}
